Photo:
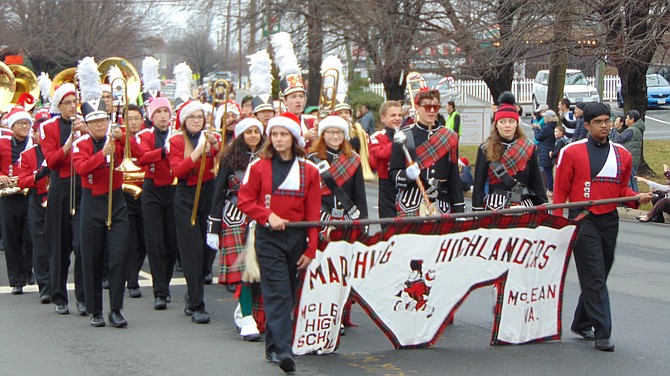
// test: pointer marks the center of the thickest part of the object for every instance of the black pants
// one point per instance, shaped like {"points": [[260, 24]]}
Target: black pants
{"points": [[37, 220], [160, 234], [136, 248], [18, 245], [278, 252], [594, 256], [63, 237], [387, 197], [193, 249], [96, 240]]}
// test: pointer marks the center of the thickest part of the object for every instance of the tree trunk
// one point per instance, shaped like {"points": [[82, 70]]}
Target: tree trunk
{"points": [[315, 53], [499, 81], [558, 60], [395, 91]]}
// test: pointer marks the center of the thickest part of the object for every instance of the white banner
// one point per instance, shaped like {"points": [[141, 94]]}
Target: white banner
{"points": [[411, 283]]}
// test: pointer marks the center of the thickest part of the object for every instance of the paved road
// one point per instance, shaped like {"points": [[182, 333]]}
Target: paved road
{"points": [[36, 341]]}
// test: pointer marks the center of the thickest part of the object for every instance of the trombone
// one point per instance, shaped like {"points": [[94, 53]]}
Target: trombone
{"points": [[220, 92], [201, 173], [73, 180]]}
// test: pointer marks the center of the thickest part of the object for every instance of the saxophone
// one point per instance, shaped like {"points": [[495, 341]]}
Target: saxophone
{"points": [[12, 188]]}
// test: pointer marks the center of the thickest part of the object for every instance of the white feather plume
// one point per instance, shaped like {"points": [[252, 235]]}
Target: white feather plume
{"points": [[89, 79], [285, 58], [333, 62], [44, 83], [260, 73], [183, 76], [150, 75]]}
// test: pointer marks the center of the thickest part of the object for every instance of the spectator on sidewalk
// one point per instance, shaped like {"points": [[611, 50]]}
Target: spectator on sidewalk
{"points": [[367, 120], [630, 135], [544, 136], [660, 193]]}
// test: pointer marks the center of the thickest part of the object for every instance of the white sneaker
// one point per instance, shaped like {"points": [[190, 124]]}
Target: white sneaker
{"points": [[238, 317], [249, 331]]}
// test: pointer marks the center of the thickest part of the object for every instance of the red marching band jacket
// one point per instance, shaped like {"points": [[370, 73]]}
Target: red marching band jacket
{"points": [[256, 198], [154, 162], [28, 169], [185, 168], [94, 168], [380, 153], [6, 157], [573, 177], [56, 158]]}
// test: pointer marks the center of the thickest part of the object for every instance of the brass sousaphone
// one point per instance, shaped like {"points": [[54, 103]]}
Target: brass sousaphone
{"points": [[26, 82]]}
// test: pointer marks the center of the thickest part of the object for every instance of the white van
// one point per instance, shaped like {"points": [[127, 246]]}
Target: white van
{"points": [[576, 88]]}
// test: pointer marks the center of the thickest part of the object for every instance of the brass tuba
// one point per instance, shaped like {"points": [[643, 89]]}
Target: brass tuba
{"points": [[328, 92], [66, 75], [415, 82], [26, 82], [133, 85]]}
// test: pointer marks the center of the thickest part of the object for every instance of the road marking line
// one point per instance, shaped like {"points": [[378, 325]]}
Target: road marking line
{"points": [[657, 120]]}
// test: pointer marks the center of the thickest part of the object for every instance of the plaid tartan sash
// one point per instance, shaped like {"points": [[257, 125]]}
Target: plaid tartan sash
{"points": [[234, 184], [437, 146], [515, 158], [341, 170]]}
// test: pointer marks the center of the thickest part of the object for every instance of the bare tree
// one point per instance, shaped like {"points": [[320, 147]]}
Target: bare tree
{"points": [[56, 34], [197, 49]]}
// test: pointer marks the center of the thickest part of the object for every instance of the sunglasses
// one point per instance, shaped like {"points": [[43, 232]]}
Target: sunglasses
{"points": [[431, 107]]}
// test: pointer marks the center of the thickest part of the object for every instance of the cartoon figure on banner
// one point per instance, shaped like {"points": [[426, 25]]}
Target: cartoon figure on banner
{"points": [[447, 88], [414, 292]]}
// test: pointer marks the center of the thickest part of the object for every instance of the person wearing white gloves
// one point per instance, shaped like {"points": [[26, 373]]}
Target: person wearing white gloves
{"points": [[433, 150], [229, 225], [187, 149]]}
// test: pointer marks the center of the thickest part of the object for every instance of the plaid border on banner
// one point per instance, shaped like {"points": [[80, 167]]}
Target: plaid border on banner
{"points": [[354, 234]]}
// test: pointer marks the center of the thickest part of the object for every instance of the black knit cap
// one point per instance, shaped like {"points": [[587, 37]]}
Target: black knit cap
{"points": [[593, 110]]}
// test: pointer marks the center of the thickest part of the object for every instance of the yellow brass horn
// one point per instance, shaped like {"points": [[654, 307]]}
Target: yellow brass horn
{"points": [[415, 83], [66, 75], [328, 92], [7, 85], [133, 83], [26, 82]]}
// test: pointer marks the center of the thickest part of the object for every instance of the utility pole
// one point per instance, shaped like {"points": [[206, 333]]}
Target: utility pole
{"points": [[253, 30], [227, 50], [239, 44]]}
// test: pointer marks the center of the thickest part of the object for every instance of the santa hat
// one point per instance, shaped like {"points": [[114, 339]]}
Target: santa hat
{"points": [[17, 113], [232, 107], [288, 121], [463, 162], [247, 123], [41, 116], [61, 92], [157, 103], [334, 121], [188, 109], [287, 62], [506, 108]]}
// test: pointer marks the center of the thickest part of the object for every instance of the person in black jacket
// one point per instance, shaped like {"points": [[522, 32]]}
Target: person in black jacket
{"points": [[545, 141]]}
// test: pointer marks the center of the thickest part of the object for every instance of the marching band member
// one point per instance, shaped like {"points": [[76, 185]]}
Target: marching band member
{"points": [[260, 76], [160, 233], [186, 151], [101, 235], [232, 117], [291, 85], [507, 162], [280, 187], [226, 219], [434, 150], [35, 176], [381, 143], [137, 251], [342, 184], [14, 204], [63, 231]]}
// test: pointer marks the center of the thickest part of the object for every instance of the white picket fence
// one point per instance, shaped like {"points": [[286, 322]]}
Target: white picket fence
{"points": [[522, 89]]}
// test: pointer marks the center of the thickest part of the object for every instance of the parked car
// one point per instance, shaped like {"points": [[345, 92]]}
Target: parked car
{"points": [[658, 91], [577, 88]]}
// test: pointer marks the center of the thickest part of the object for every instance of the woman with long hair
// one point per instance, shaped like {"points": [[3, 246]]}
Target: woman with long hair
{"points": [[280, 187], [227, 225], [187, 148], [507, 164]]}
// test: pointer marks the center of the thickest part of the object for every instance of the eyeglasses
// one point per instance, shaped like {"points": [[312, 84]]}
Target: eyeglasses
{"points": [[68, 103], [431, 107], [196, 117], [22, 124], [600, 122], [334, 132]]}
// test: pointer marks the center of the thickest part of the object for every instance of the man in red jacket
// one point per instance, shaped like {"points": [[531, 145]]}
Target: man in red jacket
{"points": [[594, 169], [381, 143]]}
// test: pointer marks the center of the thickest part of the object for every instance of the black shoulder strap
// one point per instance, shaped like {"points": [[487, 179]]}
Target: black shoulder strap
{"points": [[501, 173], [342, 197]]}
